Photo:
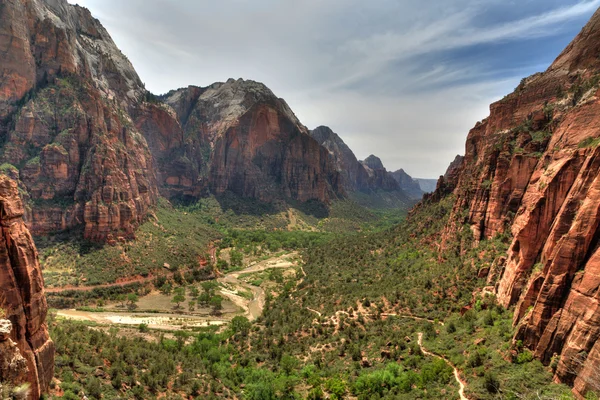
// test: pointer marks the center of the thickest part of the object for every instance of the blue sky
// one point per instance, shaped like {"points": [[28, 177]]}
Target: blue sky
{"points": [[401, 79]]}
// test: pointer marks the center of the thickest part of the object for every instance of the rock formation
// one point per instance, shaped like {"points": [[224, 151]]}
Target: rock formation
{"points": [[26, 351], [379, 176], [66, 92], [371, 187], [13, 367], [532, 168], [353, 173], [238, 136]]}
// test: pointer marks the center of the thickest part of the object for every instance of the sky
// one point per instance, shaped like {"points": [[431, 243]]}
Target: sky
{"points": [[402, 79]]}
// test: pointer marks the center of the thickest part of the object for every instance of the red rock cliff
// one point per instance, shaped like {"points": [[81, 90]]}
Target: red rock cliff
{"points": [[238, 136], [22, 299], [66, 93], [533, 168]]}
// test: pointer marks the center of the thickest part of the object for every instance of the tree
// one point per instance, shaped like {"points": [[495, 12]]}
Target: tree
{"points": [[132, 299], [492, 384], [240, 325], [288, 364], [166, 289], [236, 258], [208, 288], [121, 299], [178, 299], [216, 302]]}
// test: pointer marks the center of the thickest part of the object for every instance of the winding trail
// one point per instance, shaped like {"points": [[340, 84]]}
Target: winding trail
{"points": [[461, 383]]}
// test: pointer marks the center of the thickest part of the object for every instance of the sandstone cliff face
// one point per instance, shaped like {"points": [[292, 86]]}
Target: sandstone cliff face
{"points": [[66, 92], [532, 168], [238, 136], [22, 299]]}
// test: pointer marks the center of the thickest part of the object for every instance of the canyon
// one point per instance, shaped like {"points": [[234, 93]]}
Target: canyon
{"points": [[86, 148], [531, 169]]}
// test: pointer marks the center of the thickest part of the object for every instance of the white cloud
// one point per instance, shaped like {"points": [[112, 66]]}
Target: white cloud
{"points": [[353, 65]]}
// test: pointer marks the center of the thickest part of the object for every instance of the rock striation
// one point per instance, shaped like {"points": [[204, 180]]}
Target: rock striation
{"points": [[26, 351], [532, 168]]}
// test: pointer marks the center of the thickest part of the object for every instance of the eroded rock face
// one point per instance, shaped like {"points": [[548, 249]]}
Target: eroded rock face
{"points": [[66, 94], [27, 343], [238, 136], [533, 168], [353, 173]]}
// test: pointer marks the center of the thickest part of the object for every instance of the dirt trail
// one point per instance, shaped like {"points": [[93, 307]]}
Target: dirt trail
{"points": [[121, 282], [461, 391]]}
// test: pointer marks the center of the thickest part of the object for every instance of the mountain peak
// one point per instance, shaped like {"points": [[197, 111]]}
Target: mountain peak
{"points": [[373, 162]]}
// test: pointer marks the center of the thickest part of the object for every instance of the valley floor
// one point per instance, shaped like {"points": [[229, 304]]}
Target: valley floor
{"points": [[369, 313], [158, 312]]}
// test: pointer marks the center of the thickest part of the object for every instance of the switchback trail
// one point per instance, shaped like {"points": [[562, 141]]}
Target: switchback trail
{"points": [[461, 391]]}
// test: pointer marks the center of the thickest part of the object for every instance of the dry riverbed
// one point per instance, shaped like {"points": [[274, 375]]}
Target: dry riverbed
{"points": [[240, 298]]}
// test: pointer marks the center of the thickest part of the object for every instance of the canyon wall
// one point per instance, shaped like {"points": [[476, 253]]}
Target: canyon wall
{"points": [[532, 168], [238, 136], [26, 351], [92, 149], [65, 96]]}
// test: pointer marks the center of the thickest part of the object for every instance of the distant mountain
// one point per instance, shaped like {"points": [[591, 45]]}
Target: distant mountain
{"points": [[368, 182], [408, 184]]}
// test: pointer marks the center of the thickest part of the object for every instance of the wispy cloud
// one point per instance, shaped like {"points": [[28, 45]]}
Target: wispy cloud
{"points": [[401, 79], [374, 53]]}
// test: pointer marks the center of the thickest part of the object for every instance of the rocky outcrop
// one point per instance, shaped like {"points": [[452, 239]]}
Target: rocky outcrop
{"points": [[378, 175], [532, 168], [24, 342], [238, 136], [409, 185], [13, 367], [66, 93]]}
